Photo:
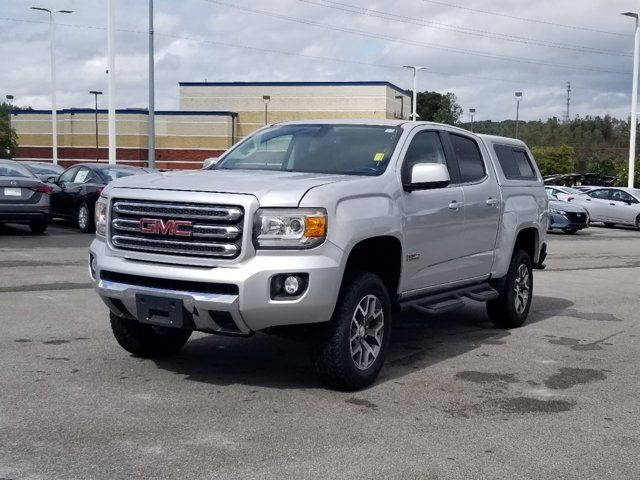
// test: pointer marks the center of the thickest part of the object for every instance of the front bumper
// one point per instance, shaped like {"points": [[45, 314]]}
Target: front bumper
{"points": [[557, 221], [251, 308]]}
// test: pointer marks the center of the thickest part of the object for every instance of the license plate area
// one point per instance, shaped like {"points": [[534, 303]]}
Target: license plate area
{"points": [[12, 192], [166, 312]]}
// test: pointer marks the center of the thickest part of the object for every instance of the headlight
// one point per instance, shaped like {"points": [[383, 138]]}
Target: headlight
{"points": [[557, 212], [101, 216], [290, 228]]}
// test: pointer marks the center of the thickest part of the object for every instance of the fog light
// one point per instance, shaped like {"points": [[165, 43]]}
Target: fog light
{"points": [[291, 285]]}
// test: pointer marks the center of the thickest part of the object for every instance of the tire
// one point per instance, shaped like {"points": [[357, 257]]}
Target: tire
{"points": [[570, 231], [340, 357], [147, 341], [510, 309], [38, 226], [638, 222], [84, 219], [609, 224]]}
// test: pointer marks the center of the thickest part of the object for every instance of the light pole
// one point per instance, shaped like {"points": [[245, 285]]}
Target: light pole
{"points": [[152, 108], [266, 99], [54, 116], [414, 107], [518, 98], [95, 94], [10, 102], [472, 112], [634, 101], [401, 98], [111, 85]]}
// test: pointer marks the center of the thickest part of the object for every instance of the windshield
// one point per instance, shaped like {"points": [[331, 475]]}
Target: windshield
{"points": [[114, 173], [316, 148], [13, 170]]}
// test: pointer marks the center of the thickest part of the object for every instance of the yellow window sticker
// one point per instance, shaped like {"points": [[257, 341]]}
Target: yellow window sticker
{"points": [[378, 157]]}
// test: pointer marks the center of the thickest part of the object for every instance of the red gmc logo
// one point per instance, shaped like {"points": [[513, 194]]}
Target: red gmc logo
{"points": [[157, 226]]}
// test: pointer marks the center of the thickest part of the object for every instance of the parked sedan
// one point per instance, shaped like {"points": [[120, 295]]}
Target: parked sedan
{"points": [[43, 170], [23, 198], [612, 205], [565, 216], [76, 190]]}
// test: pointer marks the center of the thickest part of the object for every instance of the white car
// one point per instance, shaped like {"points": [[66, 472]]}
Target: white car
{"points": [[565, 194], [612, 205]]}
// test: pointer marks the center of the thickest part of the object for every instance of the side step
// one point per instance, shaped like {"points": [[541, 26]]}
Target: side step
{"points": [[448, 301]]}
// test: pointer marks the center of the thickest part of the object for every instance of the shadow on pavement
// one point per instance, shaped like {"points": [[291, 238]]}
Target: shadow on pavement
{"points": [[276, 362]]}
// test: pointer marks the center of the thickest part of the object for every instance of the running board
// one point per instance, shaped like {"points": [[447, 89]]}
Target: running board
{"points": [[445, 302]]}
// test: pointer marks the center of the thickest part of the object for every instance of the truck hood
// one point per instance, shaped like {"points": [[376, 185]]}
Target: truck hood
{"points": [[271, 188]]}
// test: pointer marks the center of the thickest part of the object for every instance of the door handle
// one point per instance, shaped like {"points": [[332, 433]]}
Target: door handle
{"points": [[491, 201], [455, 205]]}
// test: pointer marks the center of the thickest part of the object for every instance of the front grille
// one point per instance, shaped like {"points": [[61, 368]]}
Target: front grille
{"points": [[575, 217], [169, 284], [189, 229]]}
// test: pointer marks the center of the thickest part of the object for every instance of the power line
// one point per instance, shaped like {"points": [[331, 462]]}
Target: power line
{"points": [[346, 7], [281, 52], [524, 19]]}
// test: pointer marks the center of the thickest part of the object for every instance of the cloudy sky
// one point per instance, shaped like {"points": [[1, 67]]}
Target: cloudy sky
{"points": [[481, 51]]}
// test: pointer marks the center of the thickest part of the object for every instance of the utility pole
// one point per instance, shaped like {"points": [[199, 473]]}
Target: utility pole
{"points": [[95, 93], [567, 117], [518, 98], [54, 106], [152, 107], [414, 104], [10, 102], [634, 101], [472, 112], [111, 33], [266, 99]]}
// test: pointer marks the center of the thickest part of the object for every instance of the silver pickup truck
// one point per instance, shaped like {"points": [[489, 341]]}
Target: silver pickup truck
{"points": [[325, 227]]}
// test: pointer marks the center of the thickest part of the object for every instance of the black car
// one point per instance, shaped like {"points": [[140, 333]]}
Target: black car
{"points": [[43, 170], [76, 190]]}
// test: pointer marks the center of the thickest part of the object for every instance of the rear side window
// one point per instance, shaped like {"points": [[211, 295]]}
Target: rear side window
{"points": [[602, 194], [515, 163], [469, 158]]}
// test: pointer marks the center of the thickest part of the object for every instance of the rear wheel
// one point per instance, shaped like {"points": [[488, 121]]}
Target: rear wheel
{"points": [[38, 226], [147, 341], [352, 347], [609, 224], [570, 231], [638, 222], [511, 308], [84, 219]]}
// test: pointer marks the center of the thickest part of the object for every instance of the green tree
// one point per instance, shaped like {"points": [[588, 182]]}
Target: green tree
{"points": [[8, 136], [438, 107], [552, 160]]}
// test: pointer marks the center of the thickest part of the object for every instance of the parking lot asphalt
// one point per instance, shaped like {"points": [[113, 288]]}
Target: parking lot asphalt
{"points": [[557, 398]]}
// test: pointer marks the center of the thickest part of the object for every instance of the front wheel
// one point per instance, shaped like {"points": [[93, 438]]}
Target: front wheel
{"points": [[638, 222], [511, 308], [350, 350], [84, 219], [147, 341]]}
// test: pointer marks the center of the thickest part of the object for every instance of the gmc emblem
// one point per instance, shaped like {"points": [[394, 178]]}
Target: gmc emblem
{"points": [[157, 226]]}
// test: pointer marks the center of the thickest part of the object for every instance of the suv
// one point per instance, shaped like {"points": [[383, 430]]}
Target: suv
{"points": [[327, 225]]}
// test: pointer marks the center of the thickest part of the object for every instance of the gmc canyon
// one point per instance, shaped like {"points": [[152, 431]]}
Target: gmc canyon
{"points": [[327, 225]]}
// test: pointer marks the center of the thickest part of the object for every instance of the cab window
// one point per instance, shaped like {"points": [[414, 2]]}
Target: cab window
{"points": [[469, 158], [425, 147]]}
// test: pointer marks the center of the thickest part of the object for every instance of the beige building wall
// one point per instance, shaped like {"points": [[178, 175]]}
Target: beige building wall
{"points": [[295, 101]]}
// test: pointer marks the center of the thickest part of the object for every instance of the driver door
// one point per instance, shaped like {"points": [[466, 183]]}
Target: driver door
{"points": [[434, 232], [60, 199], [623, 207]]}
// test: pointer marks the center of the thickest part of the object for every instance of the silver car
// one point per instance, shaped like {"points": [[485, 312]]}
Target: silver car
{"points": [[612, 205], [23, 198]]}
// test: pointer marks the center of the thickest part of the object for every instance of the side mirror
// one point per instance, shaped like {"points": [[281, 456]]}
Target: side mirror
{"points": [[209, 162], [428, 175], [51, 179]]}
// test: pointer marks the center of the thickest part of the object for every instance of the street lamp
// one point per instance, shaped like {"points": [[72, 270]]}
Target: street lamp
{"points": [[518, 98], [266, 99], [414, 108], [401, 98], [54, 117], [634, 100], [95, 94], [472, 112], [10, 102]]}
